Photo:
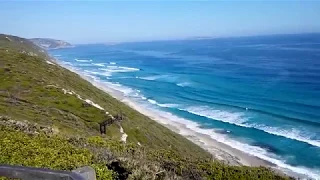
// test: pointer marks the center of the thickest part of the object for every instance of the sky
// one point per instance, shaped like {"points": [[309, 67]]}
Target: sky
{"points": [[120, 21]]}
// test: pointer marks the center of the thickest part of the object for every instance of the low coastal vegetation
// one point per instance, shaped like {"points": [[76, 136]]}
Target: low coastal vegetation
{"points": [[49, 117]]}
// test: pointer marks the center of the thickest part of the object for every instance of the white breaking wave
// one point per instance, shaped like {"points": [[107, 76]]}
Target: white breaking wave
{"points": [[99, 64], [192, 127], [228, 117], [84, 65], [168, 105], [183, 84], [292, 133], [239, 119], [125, 90], [107, 74], [83, 60], [107, 86], [152, 78], [162, 105], [141, 96], [67, 63], [112, 63], [164, 78], [222, 138], [152, 101], [119, 69]]}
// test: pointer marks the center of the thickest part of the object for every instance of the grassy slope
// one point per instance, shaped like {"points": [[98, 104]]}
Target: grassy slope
{"points": [[26, 93], [28, 80]]}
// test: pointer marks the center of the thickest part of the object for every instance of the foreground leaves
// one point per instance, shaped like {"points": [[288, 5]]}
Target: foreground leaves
{"points": [[18, 148]]}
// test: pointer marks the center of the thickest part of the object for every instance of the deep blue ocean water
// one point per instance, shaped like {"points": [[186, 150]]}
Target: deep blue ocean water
{"points": [[261, 92]]}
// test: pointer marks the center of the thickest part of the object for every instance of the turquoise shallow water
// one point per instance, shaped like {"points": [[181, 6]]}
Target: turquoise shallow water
{"points": [[260, 95]]}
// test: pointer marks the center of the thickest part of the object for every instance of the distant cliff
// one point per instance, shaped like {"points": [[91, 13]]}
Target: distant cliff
{"points": [[47, 43]]}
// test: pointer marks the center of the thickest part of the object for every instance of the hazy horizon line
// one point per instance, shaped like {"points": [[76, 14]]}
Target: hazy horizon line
{"points": [[194, 38]]}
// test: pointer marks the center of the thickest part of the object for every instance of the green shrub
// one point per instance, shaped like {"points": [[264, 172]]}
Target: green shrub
{"points": [[102, 172], [18, 148], [113, 145]]}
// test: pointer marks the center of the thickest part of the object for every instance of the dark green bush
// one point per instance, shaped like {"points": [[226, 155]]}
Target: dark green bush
{"points": [[18, 148]]}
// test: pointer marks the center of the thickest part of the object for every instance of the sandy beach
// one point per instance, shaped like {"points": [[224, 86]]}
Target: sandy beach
{"points": [[189, 130], [218, 150]]}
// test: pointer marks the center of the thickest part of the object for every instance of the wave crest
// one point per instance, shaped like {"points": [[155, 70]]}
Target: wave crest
{"points": [[192, 129], [152, 78], [154, 102], [239, 119], [99, 64], [184, 84], [119, 69], [83, 60]]}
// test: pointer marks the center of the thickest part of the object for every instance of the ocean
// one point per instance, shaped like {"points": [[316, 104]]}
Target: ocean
{"points": [[260, 95]]}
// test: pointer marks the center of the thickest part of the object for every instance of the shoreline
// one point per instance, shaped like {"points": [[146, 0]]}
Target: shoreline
{"points": [[219, 150]]}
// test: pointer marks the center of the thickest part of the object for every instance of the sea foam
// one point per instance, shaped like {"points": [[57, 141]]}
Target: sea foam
{"points": [[154, 102], [193, 127], [99, 64], [84, 65], [184, 84], [83, 60], [152, 78], [119, 69], [244, 147], [107, 74], [239, 119]]}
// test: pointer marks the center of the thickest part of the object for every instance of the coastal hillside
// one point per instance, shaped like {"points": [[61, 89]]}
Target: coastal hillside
{"points": [[23, 46], [50, 117], [47, 43]]}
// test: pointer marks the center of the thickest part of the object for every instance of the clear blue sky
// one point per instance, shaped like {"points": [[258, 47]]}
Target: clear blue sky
{"points": [[90, 22]]}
